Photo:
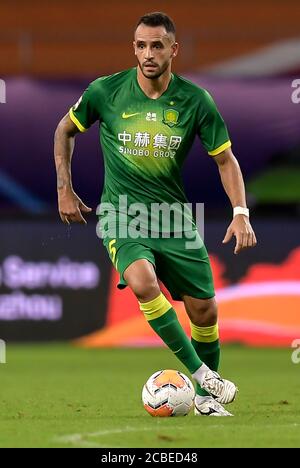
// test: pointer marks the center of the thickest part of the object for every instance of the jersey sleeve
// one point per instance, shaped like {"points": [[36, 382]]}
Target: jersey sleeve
{"points": [[212, 129], [84, 113]]}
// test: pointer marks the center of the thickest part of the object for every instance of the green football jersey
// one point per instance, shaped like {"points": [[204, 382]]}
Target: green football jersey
{"points": [[145, 142]]}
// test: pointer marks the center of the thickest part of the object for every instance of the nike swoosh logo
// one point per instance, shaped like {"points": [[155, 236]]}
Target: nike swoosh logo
{"points": [[206, 413], [127, 116]]}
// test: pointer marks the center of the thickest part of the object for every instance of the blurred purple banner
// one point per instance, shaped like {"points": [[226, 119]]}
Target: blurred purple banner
{"points": [[260, 115]]}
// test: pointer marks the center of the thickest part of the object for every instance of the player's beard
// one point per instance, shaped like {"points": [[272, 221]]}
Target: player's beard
{"points": [[157, 71]]}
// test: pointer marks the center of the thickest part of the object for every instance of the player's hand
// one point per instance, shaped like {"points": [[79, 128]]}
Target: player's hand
{"points": [[241, 228], [71, 207]]}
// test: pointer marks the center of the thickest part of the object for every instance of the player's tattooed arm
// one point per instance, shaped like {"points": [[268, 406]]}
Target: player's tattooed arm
{"points": [[233, 184], [63, 150], [69, 204]]}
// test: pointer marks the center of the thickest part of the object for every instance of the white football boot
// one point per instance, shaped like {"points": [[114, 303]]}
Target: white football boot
{"points": [[207, 406], [222, 390]]}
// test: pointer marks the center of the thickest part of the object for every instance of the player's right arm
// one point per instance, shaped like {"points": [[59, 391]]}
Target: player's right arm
{"points": [[70, 206], [80, 117]]}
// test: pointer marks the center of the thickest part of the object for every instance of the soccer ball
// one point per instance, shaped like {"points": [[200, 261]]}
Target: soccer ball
{"points": [[168, 393]]}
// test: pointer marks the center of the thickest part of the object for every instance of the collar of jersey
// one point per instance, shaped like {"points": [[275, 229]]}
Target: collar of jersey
{"points": [[166, 92]]}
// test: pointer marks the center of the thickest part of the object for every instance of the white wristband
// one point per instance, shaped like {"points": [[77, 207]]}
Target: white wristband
{"points": [[240, 210]]}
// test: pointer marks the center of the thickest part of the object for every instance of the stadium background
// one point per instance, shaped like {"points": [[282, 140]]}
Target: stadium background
{"points": [[56, 282]]}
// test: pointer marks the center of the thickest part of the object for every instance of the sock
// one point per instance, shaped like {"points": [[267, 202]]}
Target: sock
{"points": [[163, 320], [200, 374], [205, 340]]}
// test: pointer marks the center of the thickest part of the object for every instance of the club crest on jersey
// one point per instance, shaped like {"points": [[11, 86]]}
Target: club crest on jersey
{"points": [[171, 117]]}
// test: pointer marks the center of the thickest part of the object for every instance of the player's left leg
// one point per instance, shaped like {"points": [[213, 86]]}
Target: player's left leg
{"points": [[186, 273], [204, 331], [205, 339]]}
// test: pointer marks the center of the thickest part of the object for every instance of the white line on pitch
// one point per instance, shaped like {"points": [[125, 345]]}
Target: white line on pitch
{"points": [[80, 439]]}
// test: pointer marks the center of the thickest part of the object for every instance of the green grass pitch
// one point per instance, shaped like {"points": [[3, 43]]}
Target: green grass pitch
{"points": [[61, 396]]}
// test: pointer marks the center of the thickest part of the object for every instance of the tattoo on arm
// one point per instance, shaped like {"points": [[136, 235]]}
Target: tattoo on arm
{"points": [[61, 179], [63, 149]]}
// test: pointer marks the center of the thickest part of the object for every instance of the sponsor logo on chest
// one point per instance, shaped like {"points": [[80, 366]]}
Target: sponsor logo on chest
{"points": [[170, 116]]}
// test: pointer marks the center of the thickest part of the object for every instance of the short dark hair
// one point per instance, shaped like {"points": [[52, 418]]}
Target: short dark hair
{"points": [[157, 18]]}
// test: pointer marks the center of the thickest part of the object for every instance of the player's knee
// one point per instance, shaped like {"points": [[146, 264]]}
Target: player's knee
{"points": [[204, 314], [145, 287], [141, 278], [146, 292]]}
